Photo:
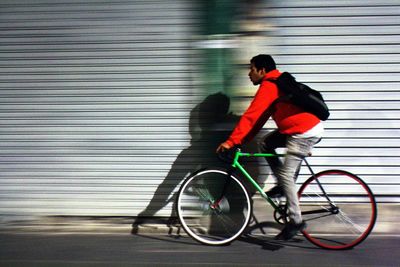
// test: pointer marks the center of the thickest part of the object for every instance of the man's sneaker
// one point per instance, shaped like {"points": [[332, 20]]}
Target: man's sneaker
{"points": [[290, 230], [275, 192]]}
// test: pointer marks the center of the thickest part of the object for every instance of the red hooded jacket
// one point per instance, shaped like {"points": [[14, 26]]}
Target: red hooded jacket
{"points": [[289, 118]]}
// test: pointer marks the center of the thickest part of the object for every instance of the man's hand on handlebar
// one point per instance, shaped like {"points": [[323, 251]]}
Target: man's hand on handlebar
{"points": [[223, 147], [226, 152]]}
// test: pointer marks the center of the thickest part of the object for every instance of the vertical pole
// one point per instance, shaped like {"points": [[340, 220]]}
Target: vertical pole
{"points": [[218, 17]]}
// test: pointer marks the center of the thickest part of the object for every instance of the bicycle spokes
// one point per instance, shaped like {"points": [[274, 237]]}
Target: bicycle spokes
{"points": [[214, 208]]}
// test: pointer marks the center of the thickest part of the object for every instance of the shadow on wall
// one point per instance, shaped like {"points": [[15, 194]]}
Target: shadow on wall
{"points": [[210, 124]]}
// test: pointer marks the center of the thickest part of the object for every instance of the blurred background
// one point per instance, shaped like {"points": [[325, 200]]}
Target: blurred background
{"points": [[107, 105]]}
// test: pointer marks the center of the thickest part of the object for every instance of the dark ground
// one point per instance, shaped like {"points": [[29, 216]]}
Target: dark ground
{"points": [[43, 249]]}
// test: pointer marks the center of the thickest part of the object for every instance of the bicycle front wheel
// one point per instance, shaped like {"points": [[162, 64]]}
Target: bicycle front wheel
{"points": [[213, 207], [339, 209]]}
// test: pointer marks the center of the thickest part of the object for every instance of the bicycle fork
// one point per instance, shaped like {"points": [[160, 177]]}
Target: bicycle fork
{"points": [[215, 203]]}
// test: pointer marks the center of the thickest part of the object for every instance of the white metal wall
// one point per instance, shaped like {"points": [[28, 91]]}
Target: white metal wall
{"points": [[95, 99], [349, 50]]}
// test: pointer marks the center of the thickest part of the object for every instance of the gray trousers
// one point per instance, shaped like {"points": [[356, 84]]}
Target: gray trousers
{"points": [[286, 171]]}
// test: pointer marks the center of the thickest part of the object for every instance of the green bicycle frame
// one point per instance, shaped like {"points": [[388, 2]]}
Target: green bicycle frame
{"points": [[236, 164]]}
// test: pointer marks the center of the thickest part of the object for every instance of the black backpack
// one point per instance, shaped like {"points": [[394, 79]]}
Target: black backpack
{"points": [[301, 95]]}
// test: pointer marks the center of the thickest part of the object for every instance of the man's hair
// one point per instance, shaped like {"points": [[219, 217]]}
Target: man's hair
{"points": [[263, 62]]}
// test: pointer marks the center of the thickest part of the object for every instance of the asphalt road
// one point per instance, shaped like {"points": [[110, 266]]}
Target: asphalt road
{"points": [[162, 250]]}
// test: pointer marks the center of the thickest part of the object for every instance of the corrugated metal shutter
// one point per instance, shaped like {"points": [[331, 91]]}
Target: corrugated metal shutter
{"points": [[97, 99], [349, 50], [95, 103]]}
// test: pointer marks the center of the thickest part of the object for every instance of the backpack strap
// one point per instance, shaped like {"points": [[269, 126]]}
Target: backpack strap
{"points": [[282, 98]]}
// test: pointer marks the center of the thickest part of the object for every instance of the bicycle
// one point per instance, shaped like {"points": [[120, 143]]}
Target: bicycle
{"points": [[214, 206]]}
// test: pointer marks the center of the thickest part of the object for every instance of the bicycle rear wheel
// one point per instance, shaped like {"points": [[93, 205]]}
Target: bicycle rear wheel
{"points": [[339, 209], [213, 207]]}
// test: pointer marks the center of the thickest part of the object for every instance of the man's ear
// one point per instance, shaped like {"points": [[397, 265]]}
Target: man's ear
{"points": [[262, 71]]}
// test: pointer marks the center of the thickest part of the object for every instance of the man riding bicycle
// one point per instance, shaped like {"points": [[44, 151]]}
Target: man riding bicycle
{"points": [[298, 131]]}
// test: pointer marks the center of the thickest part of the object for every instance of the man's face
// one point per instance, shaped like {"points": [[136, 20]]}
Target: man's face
{"points": [[255, 75]]}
